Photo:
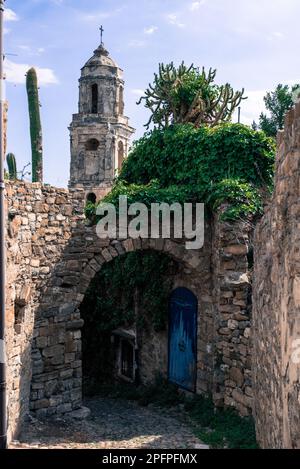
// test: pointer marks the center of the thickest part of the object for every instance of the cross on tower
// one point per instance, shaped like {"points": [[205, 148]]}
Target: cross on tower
{"points": [[101, 33]]}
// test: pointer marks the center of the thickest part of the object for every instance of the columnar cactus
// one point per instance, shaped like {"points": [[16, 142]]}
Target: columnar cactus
{"points": [[12, 166], [35, 125]]}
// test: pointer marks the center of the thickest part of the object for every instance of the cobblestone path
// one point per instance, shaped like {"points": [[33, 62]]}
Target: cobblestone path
{"points": [[113, 423]]}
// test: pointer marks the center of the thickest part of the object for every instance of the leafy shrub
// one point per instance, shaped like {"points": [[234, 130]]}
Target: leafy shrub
{"points": [[229, 164], [183, 155]]}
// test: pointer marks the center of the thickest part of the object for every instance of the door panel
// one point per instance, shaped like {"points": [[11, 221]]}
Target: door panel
{"points": [[183, 338]]}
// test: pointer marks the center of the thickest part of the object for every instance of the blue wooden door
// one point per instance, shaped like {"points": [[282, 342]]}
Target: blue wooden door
{"points": [[183, 338]]}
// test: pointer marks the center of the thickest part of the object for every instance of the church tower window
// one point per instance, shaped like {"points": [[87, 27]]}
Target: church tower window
{"points": [[91, 197], [92, 144], [94, 99]]}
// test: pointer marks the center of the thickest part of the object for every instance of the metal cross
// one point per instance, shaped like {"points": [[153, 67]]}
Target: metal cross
{"points": [[101, 32]]}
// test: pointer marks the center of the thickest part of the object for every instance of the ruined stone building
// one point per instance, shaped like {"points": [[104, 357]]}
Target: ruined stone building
{"points": [[99, 132], [246, 344]]}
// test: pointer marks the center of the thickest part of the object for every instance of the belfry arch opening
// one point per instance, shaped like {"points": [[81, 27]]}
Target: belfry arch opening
{"points": [[94, 91], [92, 144], [91, 197]]}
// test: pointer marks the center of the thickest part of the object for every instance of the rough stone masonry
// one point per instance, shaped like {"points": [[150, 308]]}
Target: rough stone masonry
{"points": [[53, 256], [276, 300]]}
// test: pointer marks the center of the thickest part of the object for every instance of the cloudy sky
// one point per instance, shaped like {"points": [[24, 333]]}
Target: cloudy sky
{"points": [[253, 44]]}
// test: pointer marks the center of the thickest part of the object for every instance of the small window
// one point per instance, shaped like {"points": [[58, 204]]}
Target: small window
{"points": [[92, 144], [19, 316], [94, 99], [91, 197]]}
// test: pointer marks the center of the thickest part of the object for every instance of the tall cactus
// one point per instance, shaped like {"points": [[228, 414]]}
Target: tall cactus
{"points": [[35, 125], [12, 166]]}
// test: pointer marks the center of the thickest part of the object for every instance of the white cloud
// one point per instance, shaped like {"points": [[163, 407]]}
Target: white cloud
{"points": [[100, 15], [276, 35], [251, 107], [25, 48], [10, 15], [136, 43], [173, 19], [150, 30], [137, 91], [196, 5], [31, 51], [15, 73], [95, 16]]}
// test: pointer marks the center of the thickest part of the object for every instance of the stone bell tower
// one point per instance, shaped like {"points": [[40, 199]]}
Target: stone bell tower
{"points": [[100, 132]]}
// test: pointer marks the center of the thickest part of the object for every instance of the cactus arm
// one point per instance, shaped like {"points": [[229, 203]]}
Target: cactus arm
{"points": [[35, 125], [12, 166]]}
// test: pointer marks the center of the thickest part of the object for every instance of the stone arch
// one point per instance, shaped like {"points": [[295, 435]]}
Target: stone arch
{"points": [[92, 144], [73, 276], [58, 317]]}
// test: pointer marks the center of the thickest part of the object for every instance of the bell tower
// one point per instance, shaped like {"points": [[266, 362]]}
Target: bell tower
{"points": [[100, 132]]}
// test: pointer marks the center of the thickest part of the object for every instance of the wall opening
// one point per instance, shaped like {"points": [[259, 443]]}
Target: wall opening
{"points": [[125, 313], [92, 144], [121, 155], [19, 316], [95, 99], [91, 197]]}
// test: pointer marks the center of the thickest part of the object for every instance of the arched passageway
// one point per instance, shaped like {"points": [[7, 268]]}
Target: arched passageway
{"points": [[125, 313]]}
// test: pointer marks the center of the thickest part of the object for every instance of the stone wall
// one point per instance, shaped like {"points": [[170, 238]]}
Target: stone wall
{"points": [[232, 290], [276, 301], [52, 258], [39, 224]]}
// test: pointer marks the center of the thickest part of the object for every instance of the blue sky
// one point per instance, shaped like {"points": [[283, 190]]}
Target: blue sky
{"points": [[253, 44]]}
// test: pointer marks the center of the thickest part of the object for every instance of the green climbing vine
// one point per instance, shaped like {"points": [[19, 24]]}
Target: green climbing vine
{"points": [[229, 164], [110, 303]]}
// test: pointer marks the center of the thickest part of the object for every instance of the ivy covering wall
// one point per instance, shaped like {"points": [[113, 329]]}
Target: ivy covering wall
{"points": [[230, 163]]}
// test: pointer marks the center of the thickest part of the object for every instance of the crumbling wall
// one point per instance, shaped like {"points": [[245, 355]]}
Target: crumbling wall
{"points": [[276, 301], [232, 291], [39, 223]]}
